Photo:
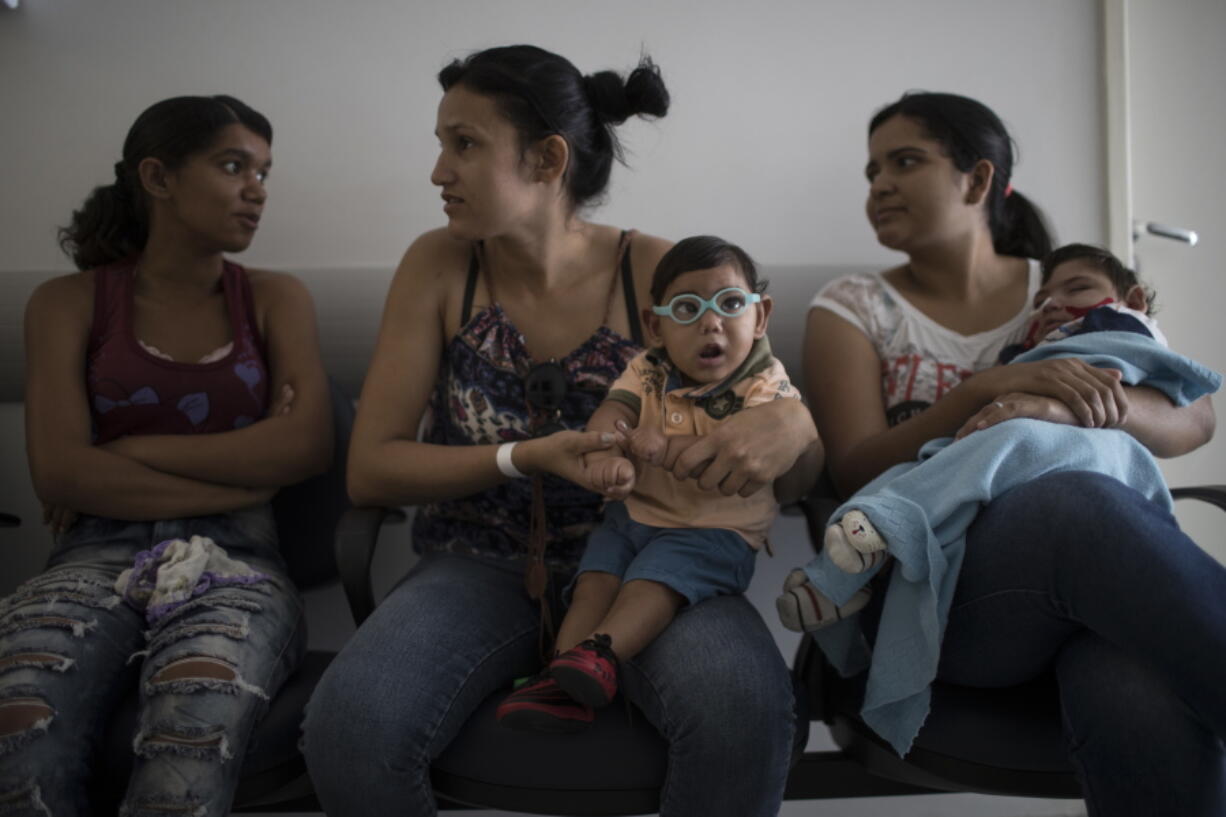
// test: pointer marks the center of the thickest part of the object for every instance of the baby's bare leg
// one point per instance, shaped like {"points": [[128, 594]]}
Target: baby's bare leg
{"points": [[640, 612], [593, 596]]}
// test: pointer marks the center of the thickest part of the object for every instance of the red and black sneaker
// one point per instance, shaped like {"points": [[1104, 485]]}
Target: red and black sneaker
{"points": [[588, 671], [540, 705]]}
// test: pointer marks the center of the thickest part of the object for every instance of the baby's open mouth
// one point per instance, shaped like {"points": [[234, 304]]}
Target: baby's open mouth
{"points": [[710, 350]]}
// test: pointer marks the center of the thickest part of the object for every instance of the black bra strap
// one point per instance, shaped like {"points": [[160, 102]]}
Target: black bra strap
{"points": [[632, 307], [470, 289]]}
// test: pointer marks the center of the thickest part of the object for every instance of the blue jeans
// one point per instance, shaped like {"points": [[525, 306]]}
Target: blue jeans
{"points": [[68, 643], [1078, 573], [459, 629]]}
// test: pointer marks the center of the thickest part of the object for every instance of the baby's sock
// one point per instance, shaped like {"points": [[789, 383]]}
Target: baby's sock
{"points": [[854, 544], [803, 608]]}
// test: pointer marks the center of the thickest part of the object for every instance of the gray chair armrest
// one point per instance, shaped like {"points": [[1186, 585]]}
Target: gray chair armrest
{"points": [[1213, 494], [357, 534]]}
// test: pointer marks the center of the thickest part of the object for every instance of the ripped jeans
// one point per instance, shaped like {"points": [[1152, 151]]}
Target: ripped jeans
{"points": [[71, 650]]}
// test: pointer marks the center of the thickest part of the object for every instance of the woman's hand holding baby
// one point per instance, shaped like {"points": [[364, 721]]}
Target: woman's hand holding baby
{"points": [[1095, 396], [1015, 405], [564, 453]]}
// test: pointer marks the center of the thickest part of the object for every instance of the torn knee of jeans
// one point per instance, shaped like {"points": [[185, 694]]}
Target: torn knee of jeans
{"points": [[22, 714], [38, 660], [34, 621], [194, 674], [22, 718], [195, 668], [24, 799], [61, 586], [200, 742], [179, 806], [235, 631], [213, 602], [100, 601]]}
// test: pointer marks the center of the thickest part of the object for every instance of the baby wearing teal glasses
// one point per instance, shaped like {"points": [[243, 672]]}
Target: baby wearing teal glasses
{"points": [[664, 542]]}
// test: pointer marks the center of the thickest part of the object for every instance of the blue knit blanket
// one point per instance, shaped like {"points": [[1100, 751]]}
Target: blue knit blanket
{"points": [[923, 509]]}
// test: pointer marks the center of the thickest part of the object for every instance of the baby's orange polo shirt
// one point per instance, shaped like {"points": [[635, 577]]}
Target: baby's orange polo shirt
{"points": [[653, 388]]}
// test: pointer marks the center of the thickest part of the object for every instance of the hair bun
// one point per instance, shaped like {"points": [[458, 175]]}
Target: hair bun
{"points": [[616, 100]]}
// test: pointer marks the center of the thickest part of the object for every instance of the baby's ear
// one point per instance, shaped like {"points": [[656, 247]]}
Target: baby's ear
{"points": [[764, 313], [651, 322], [1136, 299]]}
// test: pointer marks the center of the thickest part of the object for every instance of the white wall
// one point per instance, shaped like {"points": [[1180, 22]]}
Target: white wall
{"points": [[765, 142], [1178, 117]]}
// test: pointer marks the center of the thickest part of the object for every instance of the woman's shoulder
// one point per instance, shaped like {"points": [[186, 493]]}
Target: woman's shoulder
{"points": [[435, 256], [65, 295], [270, 280], [646, 250], [441, 246], [856, 284], [859, 293], [278, 293]]}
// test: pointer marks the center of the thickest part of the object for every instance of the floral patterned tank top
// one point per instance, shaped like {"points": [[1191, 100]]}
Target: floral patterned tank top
{"points": [[480, 399]]}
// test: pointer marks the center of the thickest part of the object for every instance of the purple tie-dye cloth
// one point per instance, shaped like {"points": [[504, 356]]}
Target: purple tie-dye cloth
{"points": [[175, 571]]}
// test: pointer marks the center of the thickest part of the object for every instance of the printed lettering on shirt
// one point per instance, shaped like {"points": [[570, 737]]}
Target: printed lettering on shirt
{"points": [[912, 379]]}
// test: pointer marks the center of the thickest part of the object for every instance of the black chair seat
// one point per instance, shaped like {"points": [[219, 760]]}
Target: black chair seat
{"points": [[996, 741], [617, 765]]}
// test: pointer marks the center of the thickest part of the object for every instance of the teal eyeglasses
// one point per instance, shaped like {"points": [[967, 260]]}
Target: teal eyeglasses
{"points": [[688, 307]]}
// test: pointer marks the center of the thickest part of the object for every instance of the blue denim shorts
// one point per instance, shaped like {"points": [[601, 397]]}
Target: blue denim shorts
{"points": [[698, 563]]}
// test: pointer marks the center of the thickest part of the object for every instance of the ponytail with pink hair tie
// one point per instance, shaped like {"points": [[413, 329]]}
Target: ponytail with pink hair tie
{"points": [[1008, 189]]}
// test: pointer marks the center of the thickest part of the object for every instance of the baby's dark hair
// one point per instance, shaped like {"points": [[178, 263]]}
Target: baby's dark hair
{"points": [[702, 252], [1122, 278]]}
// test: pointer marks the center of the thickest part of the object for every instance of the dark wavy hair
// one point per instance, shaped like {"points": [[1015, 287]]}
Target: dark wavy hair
{"points": [[113, 223], [702, 252], [969, 131], [541, 94], [1102, 259]]}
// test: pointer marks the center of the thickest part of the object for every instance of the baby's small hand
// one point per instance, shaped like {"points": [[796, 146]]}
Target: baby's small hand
{"points": [[613, 477], [648, 444]]}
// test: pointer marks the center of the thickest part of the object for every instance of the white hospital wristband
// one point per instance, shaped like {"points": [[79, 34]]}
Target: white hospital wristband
{"points": [[505, 465]]}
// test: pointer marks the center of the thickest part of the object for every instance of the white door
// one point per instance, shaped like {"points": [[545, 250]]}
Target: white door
{"points": [[1175, 115]]}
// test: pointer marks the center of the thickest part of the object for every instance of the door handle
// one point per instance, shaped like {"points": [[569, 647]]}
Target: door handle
{"points": [[1189, 237]]}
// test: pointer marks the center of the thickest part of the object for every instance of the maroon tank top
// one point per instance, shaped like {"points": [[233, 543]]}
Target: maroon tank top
{"points": [[132, 391]]}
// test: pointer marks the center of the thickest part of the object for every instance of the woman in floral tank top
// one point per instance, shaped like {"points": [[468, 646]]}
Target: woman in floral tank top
{"points": [[506, 329]]}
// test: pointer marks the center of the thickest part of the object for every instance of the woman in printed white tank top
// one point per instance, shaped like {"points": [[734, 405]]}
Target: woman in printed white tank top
{"points": [[1126, 610]]}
